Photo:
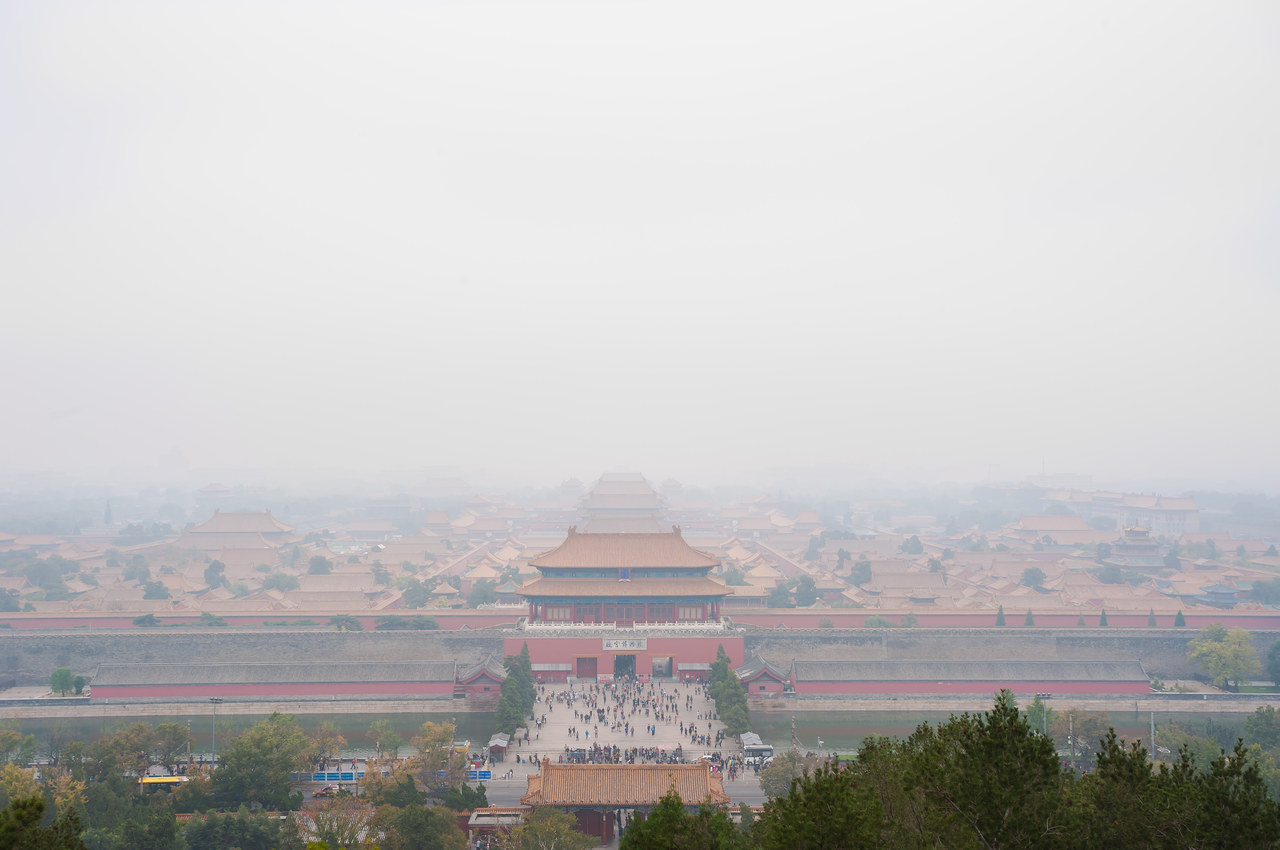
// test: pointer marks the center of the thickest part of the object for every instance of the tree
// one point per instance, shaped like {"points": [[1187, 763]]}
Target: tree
{"points": [[155, 590], [342, 822], [1029, 620], [1273, 662], [1039, 715], [1179, 621], [1033, 577], [62, 680], [1102, 620], [550, 829], [241, 830], [734, 577], [345, 623], [397, 622], [1172, 561], [213, 574], [280, 581], [1000, 616], [438, 765], [386, 741], [319, 565], [1263, 727], [1151, 618], [137, 571], [780, 597], [327, 741], [861, 572], [786, 767], [146, 620], [20, 827], [78, 684], [913, 546], [1266, 591], [668, 825], [483, 592], [805, 590], [730, 695], [850, 813], [420, 828], [256, 767], [1227, 656]]}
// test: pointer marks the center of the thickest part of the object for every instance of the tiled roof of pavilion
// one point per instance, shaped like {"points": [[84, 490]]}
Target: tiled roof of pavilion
{"points": [[543, 587], [624, 551], [237, 522], [623, 785]]}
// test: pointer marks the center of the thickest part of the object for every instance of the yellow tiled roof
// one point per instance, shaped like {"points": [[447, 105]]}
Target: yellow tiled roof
{"points": [[622, 785]]}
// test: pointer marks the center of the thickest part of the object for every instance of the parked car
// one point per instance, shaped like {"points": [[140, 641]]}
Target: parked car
{"points": [[326, 791]]}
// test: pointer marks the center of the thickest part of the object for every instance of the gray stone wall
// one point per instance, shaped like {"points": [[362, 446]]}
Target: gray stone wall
{"points": [[28, 659], [1163, 652]]}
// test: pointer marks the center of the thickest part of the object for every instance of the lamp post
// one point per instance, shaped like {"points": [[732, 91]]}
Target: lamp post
{"points": [[215, 702]]}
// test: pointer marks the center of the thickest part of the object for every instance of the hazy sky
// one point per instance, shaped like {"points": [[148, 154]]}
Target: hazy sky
{"points": [[554, 238]]}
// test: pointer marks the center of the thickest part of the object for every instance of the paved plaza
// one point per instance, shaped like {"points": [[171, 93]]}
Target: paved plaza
{"points": [[647, 716]]}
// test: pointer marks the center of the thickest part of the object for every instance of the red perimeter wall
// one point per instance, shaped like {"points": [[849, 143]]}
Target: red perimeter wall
{"points": [[286, 689]]}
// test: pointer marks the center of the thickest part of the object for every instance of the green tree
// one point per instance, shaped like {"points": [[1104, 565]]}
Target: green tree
{"points": [[1263, 727], [20, 827], [78, 684], [420, 828], [1000, 616], [1227, 656], [214, 573], [1179, 621], [1151, 618], [780, 597], [386, 741], [1029, 620], [668, 825], [346, 623], [62, 680], [913, 546], [850, 814], [155, 590], [730, 695], [438, 766], [861, 572], [319, 565], [483, 592], [734, 577], [805, 591], [786, 767], [146, 620], [1273, 662], [280, 581], [1102, 620], [255, 769], [242, 830], [1033, 577], [549, 829]]}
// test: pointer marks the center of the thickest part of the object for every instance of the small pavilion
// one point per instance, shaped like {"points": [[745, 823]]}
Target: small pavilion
{"points": [[596, 793]]}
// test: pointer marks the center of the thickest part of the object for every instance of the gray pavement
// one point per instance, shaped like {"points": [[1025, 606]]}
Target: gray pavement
{"points": [[550, 739]]}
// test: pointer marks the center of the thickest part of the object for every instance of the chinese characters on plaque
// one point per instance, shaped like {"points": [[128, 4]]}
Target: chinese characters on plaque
{"points": [[626, 643]]}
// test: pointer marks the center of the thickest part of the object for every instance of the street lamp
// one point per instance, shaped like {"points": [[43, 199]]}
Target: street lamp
{"points": [[215, 701]]}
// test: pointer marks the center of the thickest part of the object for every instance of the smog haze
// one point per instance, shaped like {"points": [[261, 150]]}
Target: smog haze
{"points": [[708, 240]]}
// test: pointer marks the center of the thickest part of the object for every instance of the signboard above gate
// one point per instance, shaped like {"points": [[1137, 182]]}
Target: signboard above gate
{"points": [[612, 644]]}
